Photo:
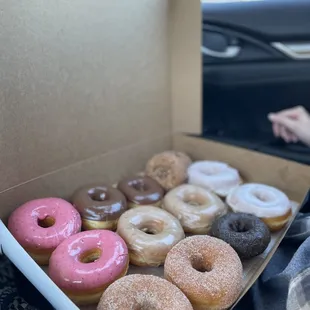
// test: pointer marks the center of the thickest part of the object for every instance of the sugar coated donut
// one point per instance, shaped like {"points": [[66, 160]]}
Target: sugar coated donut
{"points": [[246, 233], [84, 265], [207, 270], [213, 175], [141, 191], [195, 207], [143, 292], [150, 233], [41, 225], [268, 203], [168, 168], [100, 206]]}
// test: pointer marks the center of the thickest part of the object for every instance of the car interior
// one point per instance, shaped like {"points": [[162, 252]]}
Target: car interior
{"points": [[256, 60]]}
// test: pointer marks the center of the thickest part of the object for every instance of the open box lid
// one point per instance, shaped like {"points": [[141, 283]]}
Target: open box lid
{"points": [[86, 86], [84, 80]]}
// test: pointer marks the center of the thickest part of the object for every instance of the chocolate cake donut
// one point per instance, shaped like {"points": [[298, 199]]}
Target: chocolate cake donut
{"points": [[246, 233]]}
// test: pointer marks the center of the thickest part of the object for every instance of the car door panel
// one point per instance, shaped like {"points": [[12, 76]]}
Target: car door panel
{"points": [[246, 74]]}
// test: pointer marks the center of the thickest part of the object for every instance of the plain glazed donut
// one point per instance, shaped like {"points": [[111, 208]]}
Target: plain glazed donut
{"points": [[143, 292], [268, 203], [100, 206], [246, 233], [207, 270], [85, 264], [215, 176], [149, 233], [195, 207], [141, 191], [41, 225], [168, 168]]}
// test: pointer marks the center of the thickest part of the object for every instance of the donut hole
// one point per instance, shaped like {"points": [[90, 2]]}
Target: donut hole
{"points": [[262, 196], [90, 256], [201, 266], [97, 194], [239, 226], [47, 222], [138, 185], [151, 228], [209, 171], [194, 200]]}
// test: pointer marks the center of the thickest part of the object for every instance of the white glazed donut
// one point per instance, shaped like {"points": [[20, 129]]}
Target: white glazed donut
{"points": [[266, 202], [216, 176]]}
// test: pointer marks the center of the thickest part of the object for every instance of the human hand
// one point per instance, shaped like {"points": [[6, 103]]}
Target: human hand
{"points": [[292, 125]]}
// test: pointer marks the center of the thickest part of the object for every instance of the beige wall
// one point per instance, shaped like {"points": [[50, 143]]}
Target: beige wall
{"points": [[79, 78]]}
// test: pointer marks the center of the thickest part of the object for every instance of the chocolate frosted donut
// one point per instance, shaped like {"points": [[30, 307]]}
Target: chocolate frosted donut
{"points": [[168, 168], [246, 233], [100, 206], [143, 292], [141, 191]]}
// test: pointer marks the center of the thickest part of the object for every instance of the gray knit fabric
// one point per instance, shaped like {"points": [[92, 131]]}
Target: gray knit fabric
{"points": [[285, 283]]}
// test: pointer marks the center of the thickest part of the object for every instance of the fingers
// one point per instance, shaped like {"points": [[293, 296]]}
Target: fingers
{"points": [[288, 124], [295, 112], [287, 136], [284, 121], [281, 132]]}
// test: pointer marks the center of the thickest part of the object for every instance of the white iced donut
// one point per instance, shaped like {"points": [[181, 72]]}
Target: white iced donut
{"points": [[216, 176], [266, 202]]}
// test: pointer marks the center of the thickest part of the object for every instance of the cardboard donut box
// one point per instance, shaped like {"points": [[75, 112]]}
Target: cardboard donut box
{"points": [[91, 90]]}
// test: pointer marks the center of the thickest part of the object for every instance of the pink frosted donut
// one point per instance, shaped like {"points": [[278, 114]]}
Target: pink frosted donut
{"points": [[216, 176], [85, 264], [41, 225]]}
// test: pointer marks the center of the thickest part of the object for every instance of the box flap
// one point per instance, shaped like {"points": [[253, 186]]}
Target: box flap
{"points": [[186, 66], [78, 80]]}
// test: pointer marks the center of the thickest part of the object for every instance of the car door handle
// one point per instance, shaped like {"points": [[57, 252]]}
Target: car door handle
{"points": [[230, 52], [296, 51]]}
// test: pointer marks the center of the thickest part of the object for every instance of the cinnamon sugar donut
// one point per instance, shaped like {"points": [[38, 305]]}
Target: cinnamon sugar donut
{"points": [[266, 202], [207, 270], [168, 168], [195, 207], [143, 292], [215, 176]]}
